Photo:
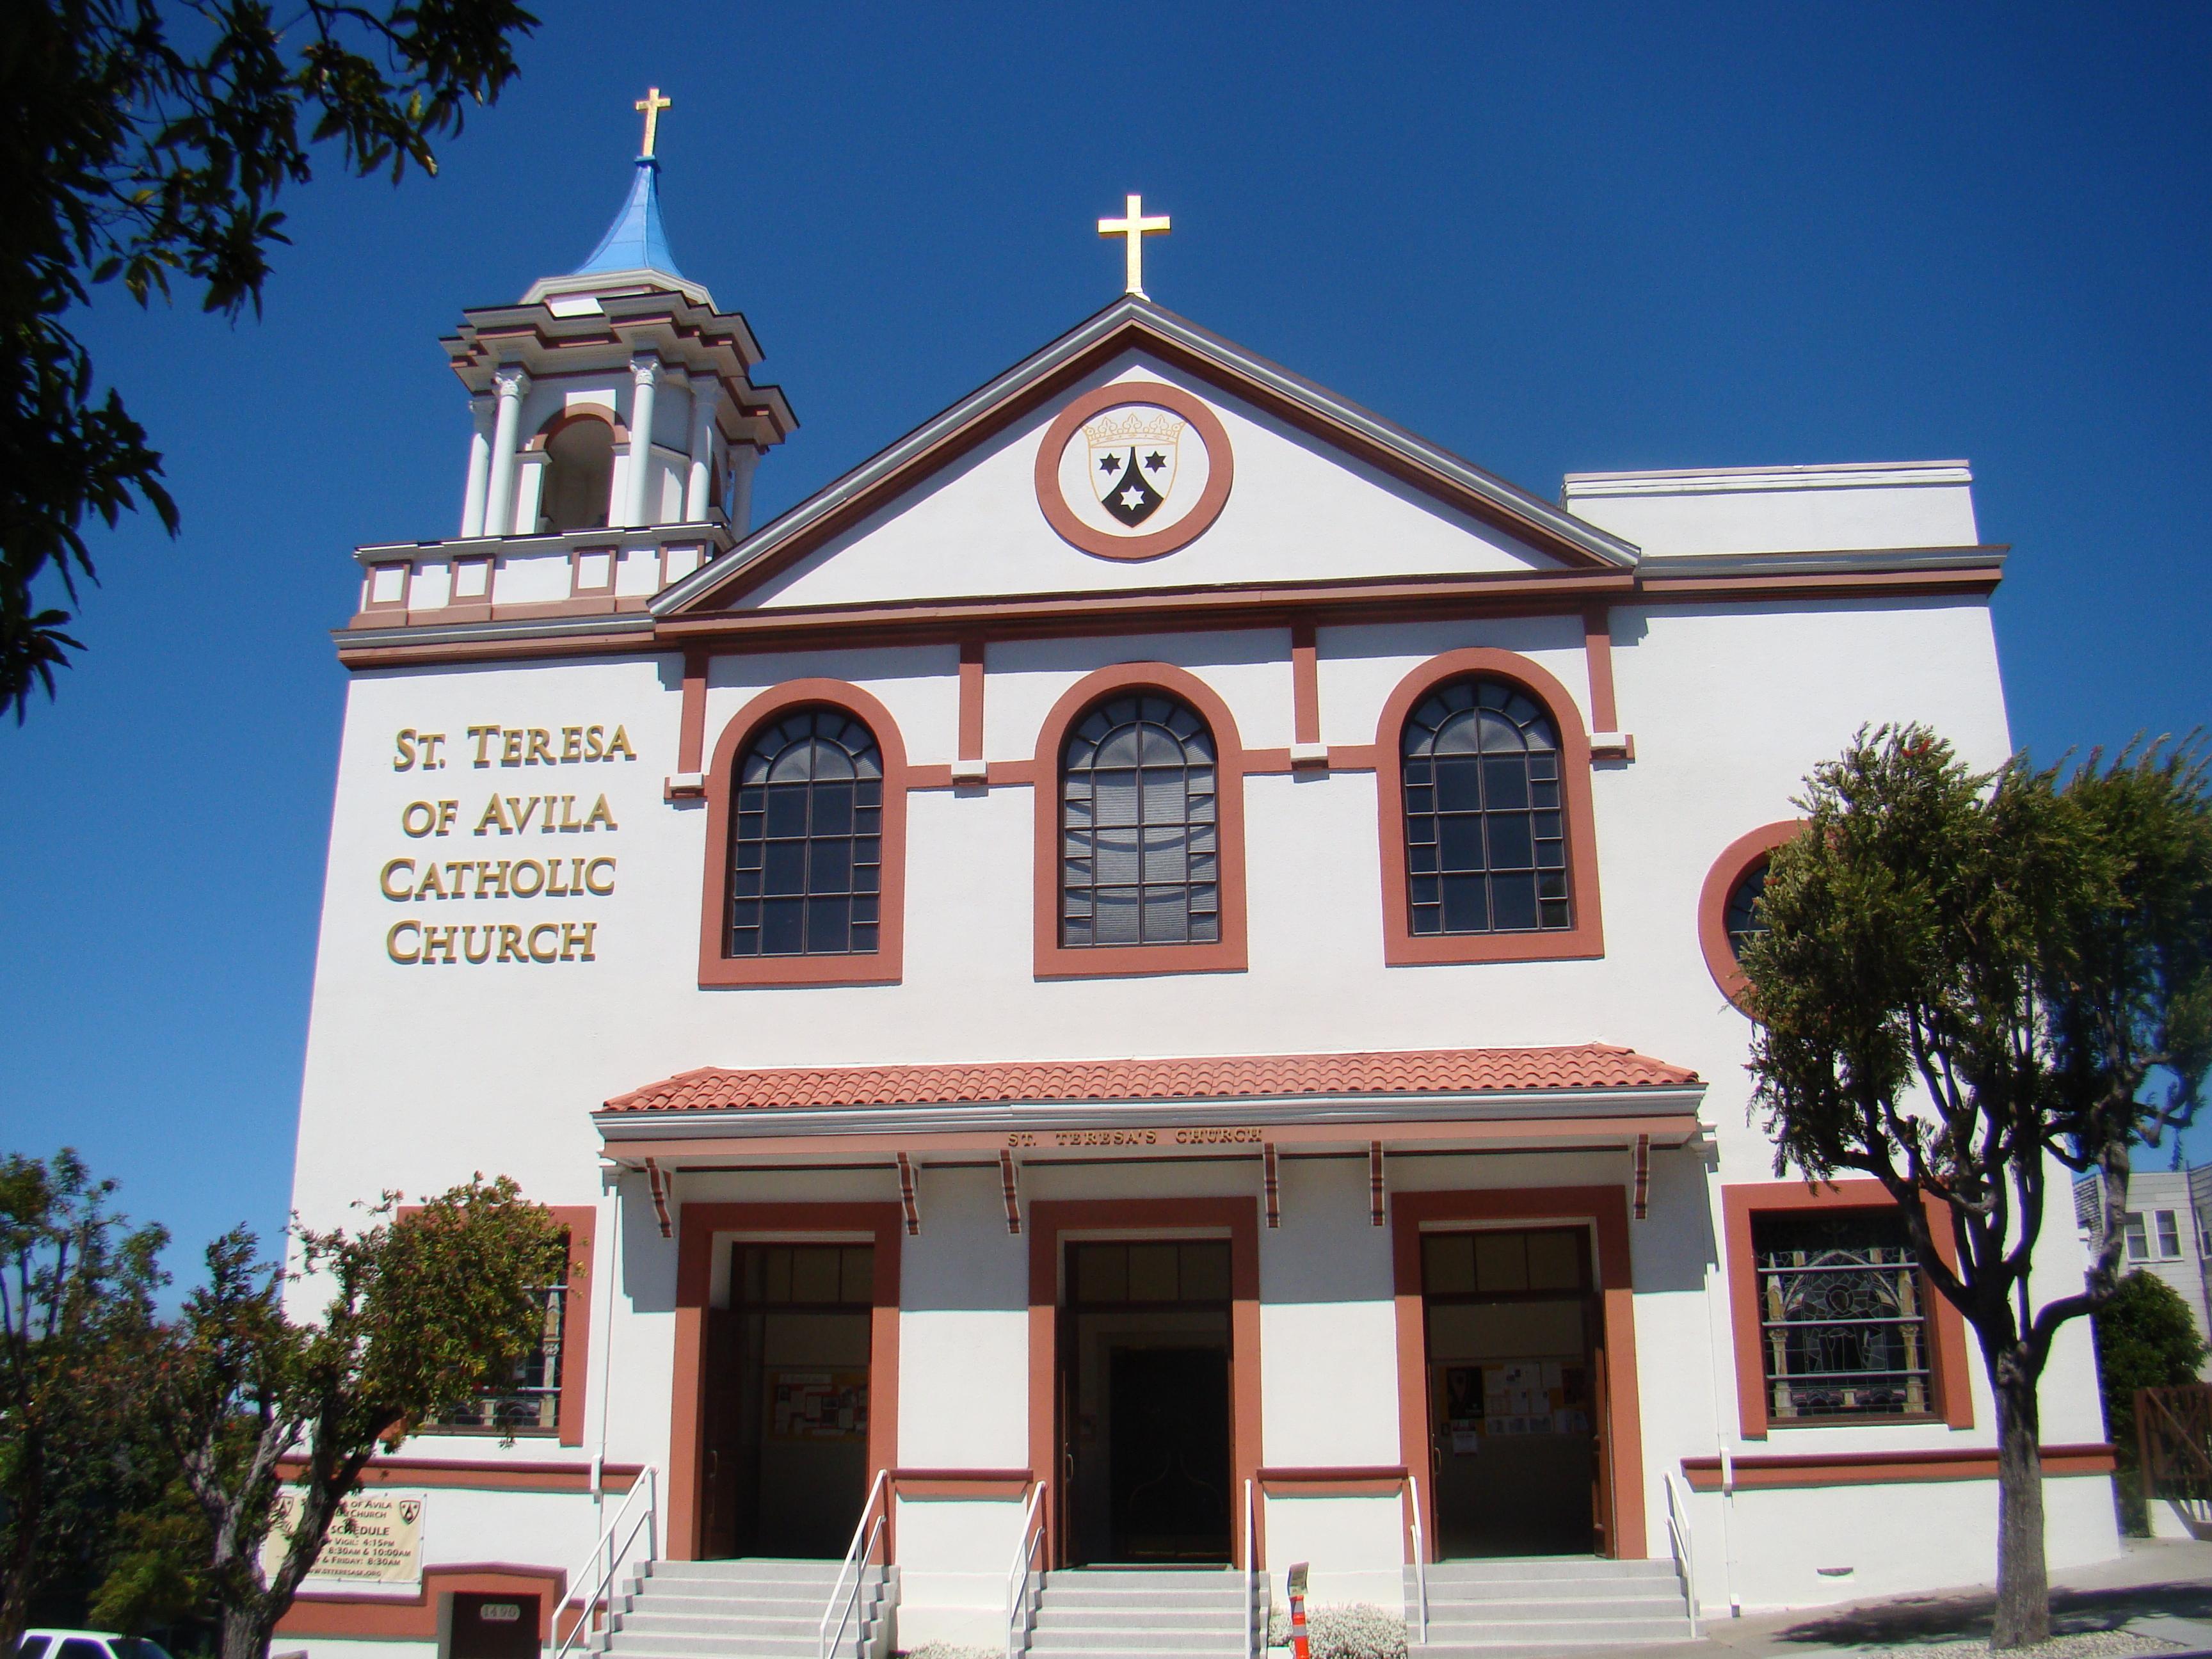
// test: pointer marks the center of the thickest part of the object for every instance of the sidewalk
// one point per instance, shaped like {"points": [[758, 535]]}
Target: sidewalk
{"points": [[2154, 1599]]}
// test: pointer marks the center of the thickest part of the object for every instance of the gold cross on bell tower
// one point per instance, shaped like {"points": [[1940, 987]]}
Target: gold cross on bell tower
{"points": [[1134, 226], [653, 103]]}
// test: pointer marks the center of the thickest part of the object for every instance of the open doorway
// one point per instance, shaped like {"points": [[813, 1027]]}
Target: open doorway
{"points": [[1145, 1402], [1514, 1389], [787, 1401]]}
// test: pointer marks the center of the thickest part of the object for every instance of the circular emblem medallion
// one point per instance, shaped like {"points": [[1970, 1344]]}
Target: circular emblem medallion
{"points": [[1134, 470]]}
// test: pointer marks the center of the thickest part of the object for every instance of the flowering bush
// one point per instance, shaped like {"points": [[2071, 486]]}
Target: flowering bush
{"points": [[1357, 1632]]}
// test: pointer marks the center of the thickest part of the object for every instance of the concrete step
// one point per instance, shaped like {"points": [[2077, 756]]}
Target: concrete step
{"points": [[1583, 1567], [1542, 1630], [1093, 1619], [1091, 1595], [1590, 1602]]}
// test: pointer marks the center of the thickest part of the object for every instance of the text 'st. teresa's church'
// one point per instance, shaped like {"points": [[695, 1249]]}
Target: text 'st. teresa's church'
{"points": [[1146, 980]]}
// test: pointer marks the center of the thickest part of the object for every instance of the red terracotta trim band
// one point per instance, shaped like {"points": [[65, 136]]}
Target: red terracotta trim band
{"points": [[971, 699], [1597, 652], [415, 1617], [1760, 1473], [1305, 684], [691, 729], [462, 1476]]}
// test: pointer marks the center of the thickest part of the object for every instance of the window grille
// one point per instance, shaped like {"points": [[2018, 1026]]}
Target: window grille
{"points": [[530, 1403], [1485, 835], [2169, 1236], [1140, 835], [2138, 1240], [1743, 918], [1843, 1316], [806, 839]]}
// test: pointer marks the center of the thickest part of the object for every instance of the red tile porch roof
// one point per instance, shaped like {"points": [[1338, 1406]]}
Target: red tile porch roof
{"points": [[1425, 1072]]}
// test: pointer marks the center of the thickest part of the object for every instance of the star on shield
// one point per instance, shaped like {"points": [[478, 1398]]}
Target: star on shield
{"points": [[1133, 479]]}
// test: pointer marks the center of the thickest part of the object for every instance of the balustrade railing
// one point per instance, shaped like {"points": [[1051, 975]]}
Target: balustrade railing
{"points": [[1021, 1607], [844, 1604], [601, 1568]]}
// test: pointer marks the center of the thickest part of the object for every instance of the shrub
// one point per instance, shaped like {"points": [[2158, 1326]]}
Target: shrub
{"points": [[1357, 1632]]}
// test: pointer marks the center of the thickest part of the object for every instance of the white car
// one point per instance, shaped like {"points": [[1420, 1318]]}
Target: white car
{"points": [[86, 1644]]}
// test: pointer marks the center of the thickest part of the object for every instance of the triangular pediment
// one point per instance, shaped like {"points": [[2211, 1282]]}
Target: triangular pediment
{"points": [[1213, 469]]}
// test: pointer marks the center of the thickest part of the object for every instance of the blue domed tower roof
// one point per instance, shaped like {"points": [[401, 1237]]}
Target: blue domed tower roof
{"points": [[636, 240]]}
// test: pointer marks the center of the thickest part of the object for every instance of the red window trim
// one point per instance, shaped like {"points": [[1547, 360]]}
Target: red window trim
{"points": [[884, 966], [1402, 947], [1948, 1376], [1738, 856], [1056, 961], [581, 1224]]}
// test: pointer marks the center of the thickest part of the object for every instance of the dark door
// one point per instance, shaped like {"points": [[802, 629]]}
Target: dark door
{"points": [[1516, 1395], [722, 1477], [1146, 1430], [494, 1627], [785, 1468], [1169, 1459]]}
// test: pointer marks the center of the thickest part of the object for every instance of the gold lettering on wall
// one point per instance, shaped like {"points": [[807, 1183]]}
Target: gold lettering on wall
{"points": [[413, 878]]}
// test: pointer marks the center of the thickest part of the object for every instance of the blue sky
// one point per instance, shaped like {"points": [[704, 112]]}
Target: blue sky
{"points": [[1551, 238]]}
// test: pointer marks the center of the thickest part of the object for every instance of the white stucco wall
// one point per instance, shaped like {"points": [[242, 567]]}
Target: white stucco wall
{"points": [[417, 1076]]}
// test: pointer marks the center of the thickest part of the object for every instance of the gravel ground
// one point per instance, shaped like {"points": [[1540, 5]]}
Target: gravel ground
{"points": [[2091, 1644]]}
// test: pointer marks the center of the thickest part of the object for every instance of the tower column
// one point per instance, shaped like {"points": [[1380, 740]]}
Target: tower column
{"points": [[510, 384], [645, 373], [705, 393], [473, 497]]}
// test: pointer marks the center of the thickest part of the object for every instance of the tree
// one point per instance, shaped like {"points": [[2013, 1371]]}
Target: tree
{"points": [[426, 1307], [126, 157], [2146, 1338], [76, 1311], [1970, 979]]}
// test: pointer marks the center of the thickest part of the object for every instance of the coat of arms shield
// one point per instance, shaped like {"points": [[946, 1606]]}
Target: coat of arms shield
{"points": [[1133, 461]]}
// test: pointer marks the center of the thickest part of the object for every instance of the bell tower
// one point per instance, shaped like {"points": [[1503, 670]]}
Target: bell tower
{"points": [[617, 398]]}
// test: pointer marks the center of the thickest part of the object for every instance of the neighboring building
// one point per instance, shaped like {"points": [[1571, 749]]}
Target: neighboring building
{"points": [[1145, 978], [2169, 1231]]}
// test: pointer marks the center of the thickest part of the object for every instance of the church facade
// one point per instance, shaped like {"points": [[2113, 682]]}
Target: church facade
{"points": [[1146, 979]]}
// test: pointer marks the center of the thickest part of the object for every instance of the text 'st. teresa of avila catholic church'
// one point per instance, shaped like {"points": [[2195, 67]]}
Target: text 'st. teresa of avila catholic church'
{"points": [[1144, 980]]}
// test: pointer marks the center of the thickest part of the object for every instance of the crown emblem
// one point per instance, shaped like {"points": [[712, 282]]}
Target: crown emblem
{"points": [[1135, 426]]}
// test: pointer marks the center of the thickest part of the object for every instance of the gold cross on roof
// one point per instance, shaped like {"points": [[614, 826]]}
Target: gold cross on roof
{"points": [[653, 103], [1136, 228]]}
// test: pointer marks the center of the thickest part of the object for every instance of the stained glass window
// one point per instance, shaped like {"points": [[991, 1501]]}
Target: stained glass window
{"points": [[1141, 860], [1486, 834], [1743, 920], [806, 839], [1843, 1316]]}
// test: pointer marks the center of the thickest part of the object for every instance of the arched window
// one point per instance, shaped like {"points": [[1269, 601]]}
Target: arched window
{"points": [[806, 839], [579, 476], [1486, 831], [1742, 918], [1139, 831]]}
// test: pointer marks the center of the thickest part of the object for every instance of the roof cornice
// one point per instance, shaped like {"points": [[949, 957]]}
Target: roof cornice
{"points": [[1133, 322]]}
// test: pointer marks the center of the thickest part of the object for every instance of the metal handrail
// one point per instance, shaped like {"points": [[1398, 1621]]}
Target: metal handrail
{"points": [[1678, 1534], [1254, 1639], [604, 1562], [1420, 1562], [1017, 1580], [842, 1603]]}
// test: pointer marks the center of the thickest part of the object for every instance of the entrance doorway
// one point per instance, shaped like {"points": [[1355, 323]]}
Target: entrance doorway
{"points": [[1145, 1402], [787, 1401], [1515, 1407], [494, 1627]]}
